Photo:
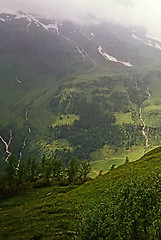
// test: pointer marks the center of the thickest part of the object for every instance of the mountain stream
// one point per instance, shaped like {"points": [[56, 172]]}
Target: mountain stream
{"points": [[25, 139], [7, 145], [144, 129]]}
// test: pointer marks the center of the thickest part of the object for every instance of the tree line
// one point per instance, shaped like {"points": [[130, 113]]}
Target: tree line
{"points": [[47, 172]]}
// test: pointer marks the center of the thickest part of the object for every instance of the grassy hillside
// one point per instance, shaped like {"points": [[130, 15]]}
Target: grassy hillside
{"points": [[33, 65], [54, 212]]}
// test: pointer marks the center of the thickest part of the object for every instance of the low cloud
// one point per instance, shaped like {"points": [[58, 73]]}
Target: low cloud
{"points": [[135, 12]]}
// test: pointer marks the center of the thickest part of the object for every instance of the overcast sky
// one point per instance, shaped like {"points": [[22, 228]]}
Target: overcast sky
{"points": [[139, 12]]}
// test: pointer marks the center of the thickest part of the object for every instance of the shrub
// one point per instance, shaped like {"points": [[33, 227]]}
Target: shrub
{"points": [[41, 183], [131, 211]]}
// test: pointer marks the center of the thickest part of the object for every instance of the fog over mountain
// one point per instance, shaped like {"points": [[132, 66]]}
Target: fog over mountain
{"points": [[136, 12]]}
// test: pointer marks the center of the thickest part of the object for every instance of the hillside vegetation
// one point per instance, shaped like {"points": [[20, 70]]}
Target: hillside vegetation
{"points": [[60, 93], [123, 204]]}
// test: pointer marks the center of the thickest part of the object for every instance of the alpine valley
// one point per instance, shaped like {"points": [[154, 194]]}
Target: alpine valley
{"points": [[91, 91]]}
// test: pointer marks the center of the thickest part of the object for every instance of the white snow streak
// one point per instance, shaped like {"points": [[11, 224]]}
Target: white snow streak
{"points": [[111, 58], [53, 26], [81, 52], [7, 146], [134, 36], [144, 129], [30, 21], [18, 80], [148, 42], [157, 46], [30, 18], [1, 19], [25, 139], [147, 92]]}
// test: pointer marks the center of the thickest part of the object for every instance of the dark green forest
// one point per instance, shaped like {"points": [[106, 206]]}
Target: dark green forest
{"points": [[44, 173]]}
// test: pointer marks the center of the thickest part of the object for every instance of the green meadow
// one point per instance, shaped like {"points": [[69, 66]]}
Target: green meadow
{"points": [[54, 212]]}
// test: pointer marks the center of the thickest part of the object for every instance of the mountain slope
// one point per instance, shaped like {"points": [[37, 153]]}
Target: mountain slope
{"points": [[32, 63], [69, 88]]}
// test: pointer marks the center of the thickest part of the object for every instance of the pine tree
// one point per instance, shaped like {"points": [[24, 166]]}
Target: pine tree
{"points": [[84, 169], [72, 169]]}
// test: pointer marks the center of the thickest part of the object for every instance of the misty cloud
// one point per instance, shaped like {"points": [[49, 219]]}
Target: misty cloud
{"points": [[136, 12]]}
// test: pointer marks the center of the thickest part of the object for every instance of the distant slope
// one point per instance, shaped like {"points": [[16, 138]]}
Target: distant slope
{"points": [[99, 76], [32, 63]]}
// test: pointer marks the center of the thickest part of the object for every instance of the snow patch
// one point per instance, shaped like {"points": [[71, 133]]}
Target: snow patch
{"points": [[149, 42], [154, 45], [134, 36], [18, 80], [158, 46], [18, 17], [53, 26], [92, 34], [7, 145], [3, 20], [31, 18], [111, 58], [38, 25], [81, 52], [30, 21]]}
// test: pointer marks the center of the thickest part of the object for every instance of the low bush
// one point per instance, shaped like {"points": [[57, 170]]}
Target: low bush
{"points": [[131, 210]]}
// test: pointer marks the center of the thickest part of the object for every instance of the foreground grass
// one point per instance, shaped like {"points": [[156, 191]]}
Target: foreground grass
{"points": [[39, 214], [53, 212]]}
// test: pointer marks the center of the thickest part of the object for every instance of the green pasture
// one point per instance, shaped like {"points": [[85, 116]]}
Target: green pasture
{"points": [[124, 118], [104, 158], [105, 165], [65, 119]]}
